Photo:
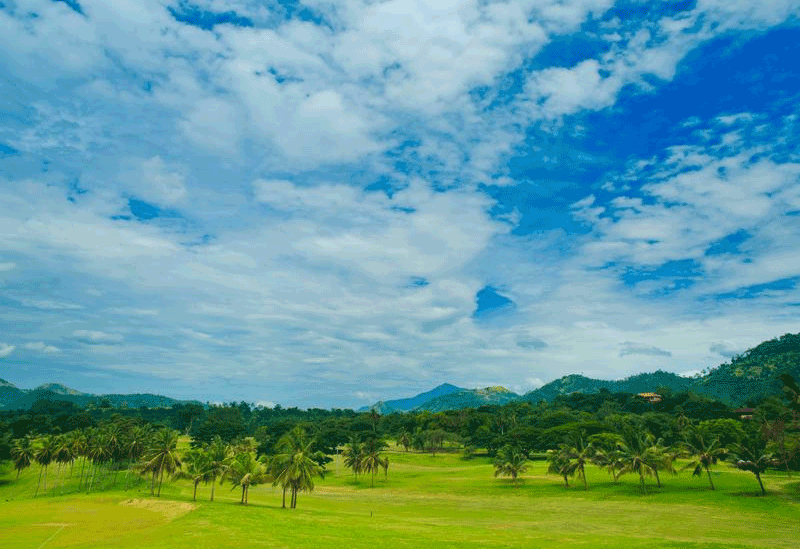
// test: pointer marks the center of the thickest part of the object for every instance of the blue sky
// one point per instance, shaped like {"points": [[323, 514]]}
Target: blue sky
{"points": [[327, 203]]}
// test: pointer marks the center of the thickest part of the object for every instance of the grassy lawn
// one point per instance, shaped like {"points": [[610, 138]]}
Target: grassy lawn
{"points": [[435, 502]]}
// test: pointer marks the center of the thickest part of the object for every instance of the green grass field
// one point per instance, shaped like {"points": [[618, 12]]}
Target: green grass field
{"points": [[433, 502]]}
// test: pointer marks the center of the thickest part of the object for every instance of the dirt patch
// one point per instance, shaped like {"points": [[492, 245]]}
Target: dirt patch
{"points": [[169, 509]]}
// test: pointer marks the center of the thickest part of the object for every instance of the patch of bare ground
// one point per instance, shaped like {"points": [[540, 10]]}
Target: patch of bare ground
{"points": [[168, 509]]}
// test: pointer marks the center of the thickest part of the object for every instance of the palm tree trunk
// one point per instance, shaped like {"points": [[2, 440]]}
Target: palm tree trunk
{"points": [[641, 483], [80, 479], [45, 479], [708, 472], [196, 482], [583, 474], [242, 502], [283, 502], [658, 480], [39, 481], [213, 482], [373, 479], [153, 483], [566, 481], [758, 477], [160, 482]]}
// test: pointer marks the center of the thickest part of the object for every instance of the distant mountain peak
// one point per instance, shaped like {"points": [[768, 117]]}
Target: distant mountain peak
{"points": [[59, 389], [4, 383]]}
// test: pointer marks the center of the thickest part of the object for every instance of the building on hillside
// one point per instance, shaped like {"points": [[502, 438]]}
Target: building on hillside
{"points": [[650, 397], [744, 413]]}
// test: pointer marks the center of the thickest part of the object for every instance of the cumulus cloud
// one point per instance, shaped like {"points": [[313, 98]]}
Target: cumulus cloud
{"points": [[6, 349]]}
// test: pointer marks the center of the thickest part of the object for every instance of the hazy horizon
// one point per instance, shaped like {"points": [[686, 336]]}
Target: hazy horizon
{"points": [[330, 204]]}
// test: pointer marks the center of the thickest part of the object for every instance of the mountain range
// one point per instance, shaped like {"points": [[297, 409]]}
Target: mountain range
{"points": [[748, 377], [14, 398]]}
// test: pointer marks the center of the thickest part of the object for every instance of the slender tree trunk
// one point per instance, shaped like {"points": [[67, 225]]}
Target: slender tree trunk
{"points": [[41, 468], [18, 472], [45, 479], [153, 483], [708, 472], [80, 480], [758, 477], [194, 497], [658, 480], [283, 502], [242, 494], [213, 482], [160, 482], [641, 483], [566, 481], [583, 474], [373, 479]]}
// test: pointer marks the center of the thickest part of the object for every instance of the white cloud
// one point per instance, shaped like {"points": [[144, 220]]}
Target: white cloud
{"points": [[7, 266], [49, 304], [96, 336], [42, 347], [6, 349]]}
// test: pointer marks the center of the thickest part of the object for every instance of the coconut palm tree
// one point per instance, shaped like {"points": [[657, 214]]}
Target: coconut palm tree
{"points": [[633, 454], [560, 464], [751, 455], [404, 439], [703, 455], [353, 456], [297, 464], [162, 456], [23, 453], [218, 453], [196, 468], [62, 454], [578, 454], [245, 471], [510, 461], [43, 456], [371, 458], [660, 458], [139, 439]]}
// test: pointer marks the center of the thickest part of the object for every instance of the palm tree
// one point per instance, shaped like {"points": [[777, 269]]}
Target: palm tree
{"points": [[578, 454], [162, 456], [137, 443], [43, 456], [560, 464], [404, 439], [23, 453], [62, 454], [660, 458], [372, 459], [245, 471], [218, 453], [633, 456], [751, 455], [703, 455], [353, 455], [510, 461], [297, 464], [197, 468]]}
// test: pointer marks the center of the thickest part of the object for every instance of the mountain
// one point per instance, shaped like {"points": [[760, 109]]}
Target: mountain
{"points": [[408, 404], [13, 398], [59, 389], [8, 393], [754, 374], [640, 383], [469, 398]]}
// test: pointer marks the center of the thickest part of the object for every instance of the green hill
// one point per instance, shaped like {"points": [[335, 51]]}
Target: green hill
{"points": [[13, 398], [754, 374], [469, 398]]}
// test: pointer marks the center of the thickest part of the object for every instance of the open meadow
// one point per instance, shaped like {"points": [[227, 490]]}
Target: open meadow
{"points": [[441, 501]]}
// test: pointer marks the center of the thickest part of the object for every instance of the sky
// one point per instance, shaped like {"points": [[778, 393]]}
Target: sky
{"points": [[324, 204]]}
